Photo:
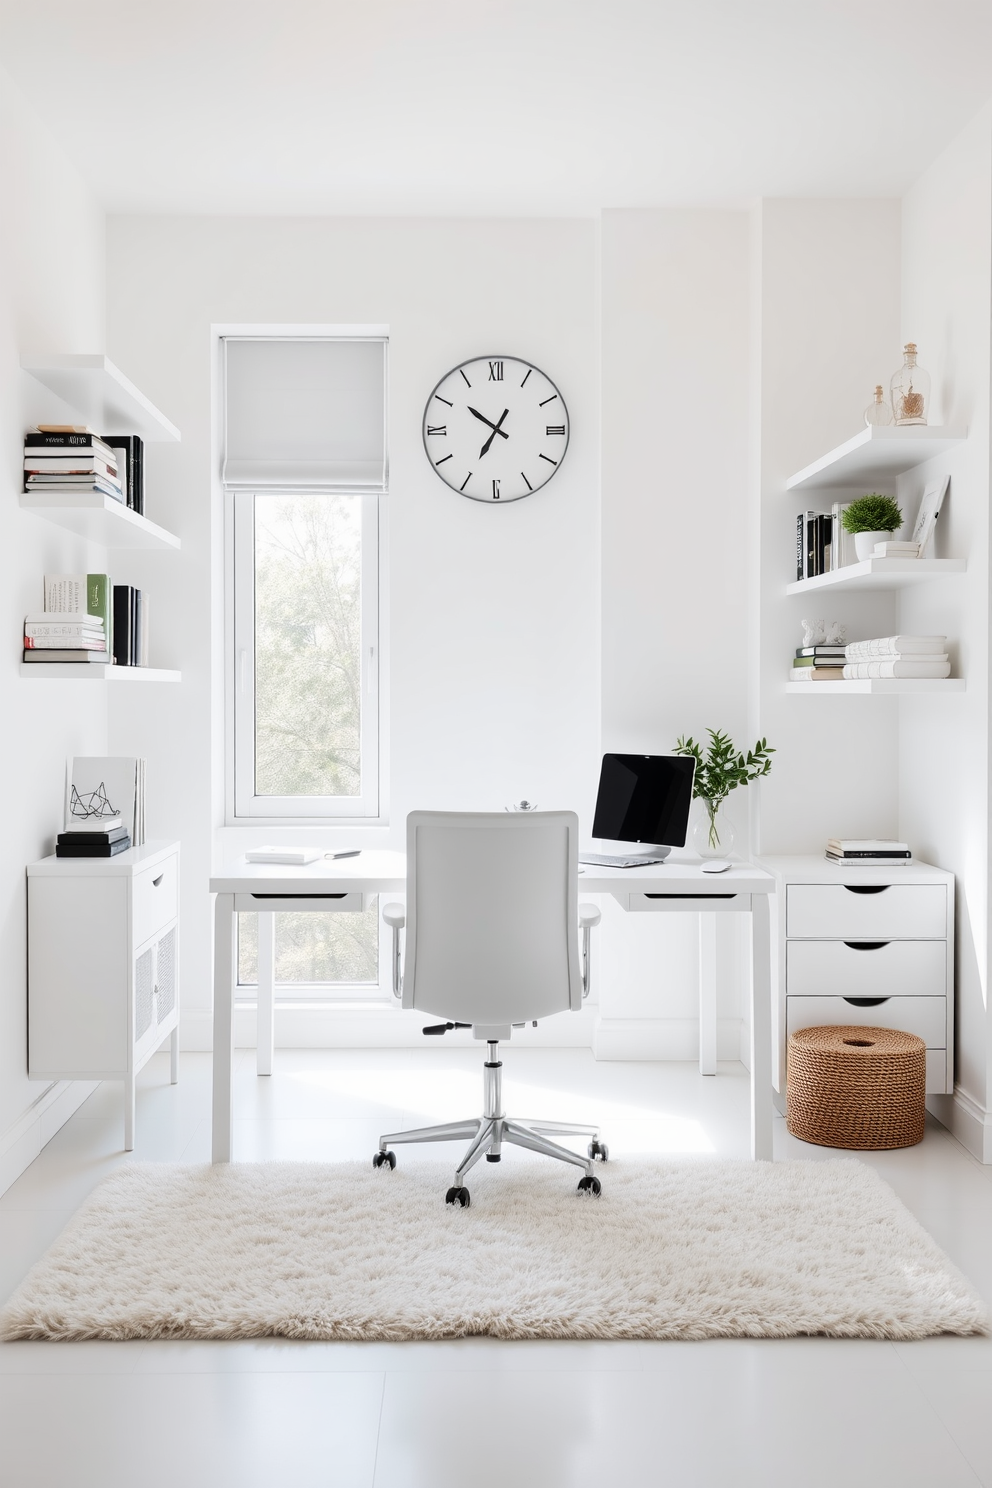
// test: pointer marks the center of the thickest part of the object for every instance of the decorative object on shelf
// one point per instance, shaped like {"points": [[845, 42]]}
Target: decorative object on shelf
{"points": [[522, 806], [722, 769], [878, 414], [926, 518], [103, 791], [830, 633], [910, 390], [495, 428], [871, 519]]}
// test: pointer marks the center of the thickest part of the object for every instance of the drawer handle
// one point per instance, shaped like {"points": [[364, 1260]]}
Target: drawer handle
{"points": [[866, 945], [157, 881], [865, 1001], [866, 888]]}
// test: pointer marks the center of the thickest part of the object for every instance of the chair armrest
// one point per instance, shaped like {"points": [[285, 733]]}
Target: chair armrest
{"points": [[395, 917], [589, 916]]}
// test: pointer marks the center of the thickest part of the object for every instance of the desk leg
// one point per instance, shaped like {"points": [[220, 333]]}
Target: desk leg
{"points": [[761, 1030], [265, 1035], [707, 994], [224, 964]]}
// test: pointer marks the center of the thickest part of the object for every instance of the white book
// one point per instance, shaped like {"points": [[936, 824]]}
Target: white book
{"points": [[105, 824], [295, 855], [47, 625], [900, 645], [867, 844], [859, 671]]}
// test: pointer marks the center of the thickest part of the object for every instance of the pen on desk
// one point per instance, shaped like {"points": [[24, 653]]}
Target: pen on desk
{"points": [[352, 854]]}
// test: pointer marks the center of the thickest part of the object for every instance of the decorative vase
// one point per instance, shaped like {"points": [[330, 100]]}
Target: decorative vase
{"points": [[910, 390], [864, 543], [878, 414], [713, 835]]}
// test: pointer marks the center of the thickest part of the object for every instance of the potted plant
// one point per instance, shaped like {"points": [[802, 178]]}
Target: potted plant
{"points": [[719, 771], [871, 519]]}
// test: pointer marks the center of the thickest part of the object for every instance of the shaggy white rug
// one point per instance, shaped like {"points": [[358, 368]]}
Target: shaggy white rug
{"points": [[696, 1249]]}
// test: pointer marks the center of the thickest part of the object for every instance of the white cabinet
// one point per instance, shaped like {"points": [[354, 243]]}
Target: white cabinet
{"points": [[103, 966], [868, 946]]}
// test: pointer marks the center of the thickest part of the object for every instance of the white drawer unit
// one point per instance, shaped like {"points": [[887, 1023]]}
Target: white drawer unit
{"points": [[872, 947], [103, 966]]}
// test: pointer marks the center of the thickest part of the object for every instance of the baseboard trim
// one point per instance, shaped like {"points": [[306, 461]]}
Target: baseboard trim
{"points": [[967, 1121], [662, 1038], [24, 1139], [375, 1028]]}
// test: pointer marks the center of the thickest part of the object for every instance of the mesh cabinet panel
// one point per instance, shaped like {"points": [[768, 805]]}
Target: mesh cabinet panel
{"points": [[143, 993], [166, 974]]}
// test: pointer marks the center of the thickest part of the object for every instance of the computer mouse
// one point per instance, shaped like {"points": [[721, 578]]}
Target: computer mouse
{"points": [[716, 865]]}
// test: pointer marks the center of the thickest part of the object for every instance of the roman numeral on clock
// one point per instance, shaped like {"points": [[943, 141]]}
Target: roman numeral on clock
{"points": [[551, 429], [495, 490], [442, 429], [496, 372]]}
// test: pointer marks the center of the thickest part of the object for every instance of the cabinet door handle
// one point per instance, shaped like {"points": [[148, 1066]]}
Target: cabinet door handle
{"points": [[865, 1001], [866, 888], [157, 881], [866, 945]]}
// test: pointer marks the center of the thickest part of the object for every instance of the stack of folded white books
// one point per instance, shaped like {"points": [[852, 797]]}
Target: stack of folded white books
{"points": [[897, 656], [890, 549]]}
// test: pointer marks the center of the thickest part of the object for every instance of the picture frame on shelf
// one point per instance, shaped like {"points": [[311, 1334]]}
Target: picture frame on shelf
{"points": [[926, 518]]}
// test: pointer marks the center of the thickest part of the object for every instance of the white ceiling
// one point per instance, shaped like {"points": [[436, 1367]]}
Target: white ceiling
{"points": [[505, 107]]}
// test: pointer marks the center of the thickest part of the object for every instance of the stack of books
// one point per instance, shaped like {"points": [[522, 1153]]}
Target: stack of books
{"points": [[71, 461], [890, 549], [867, 852], [897, 656], [822, 545], [96, 837], [130, 626], [77, 623], [818, 664]]}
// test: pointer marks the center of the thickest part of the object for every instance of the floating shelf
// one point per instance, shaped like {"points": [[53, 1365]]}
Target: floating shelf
{"points": [[100, 395], [886, 685], [880, 573], [99, 519], [81, 671], [876, 452]]}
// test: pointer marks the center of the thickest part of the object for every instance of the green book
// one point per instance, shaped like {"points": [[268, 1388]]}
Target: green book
{"points": [[82, 594]]}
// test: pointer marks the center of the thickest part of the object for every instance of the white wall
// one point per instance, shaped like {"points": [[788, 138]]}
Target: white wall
{"points": [[494, 614], [51, 299], [944, 747]]}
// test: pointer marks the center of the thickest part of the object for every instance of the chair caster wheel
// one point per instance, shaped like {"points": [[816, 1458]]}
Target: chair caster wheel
{"points": [[382, 1158], [458, 1196], [598, 1149], [591, 1185]]}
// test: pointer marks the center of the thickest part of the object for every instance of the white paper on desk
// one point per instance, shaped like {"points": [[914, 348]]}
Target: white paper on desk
{"points": [[298, 856]]}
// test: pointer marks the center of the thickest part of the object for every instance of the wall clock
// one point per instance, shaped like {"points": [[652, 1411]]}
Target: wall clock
{"points": [[496, 428]]}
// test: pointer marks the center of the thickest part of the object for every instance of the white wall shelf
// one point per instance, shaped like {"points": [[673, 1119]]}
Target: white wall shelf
{"points": [[100, 394], [881, 573], [883, 685], [876, 453], [99, 519], [82, 671]]}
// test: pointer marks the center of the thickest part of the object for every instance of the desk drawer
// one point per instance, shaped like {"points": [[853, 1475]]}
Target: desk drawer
{"points": [[924, 1016], [897, 912], [875, 968], [332, 903], [689, 903], [154, 899]]}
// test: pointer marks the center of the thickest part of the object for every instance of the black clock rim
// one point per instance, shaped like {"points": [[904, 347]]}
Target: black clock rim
{"points": [[494, 356]]}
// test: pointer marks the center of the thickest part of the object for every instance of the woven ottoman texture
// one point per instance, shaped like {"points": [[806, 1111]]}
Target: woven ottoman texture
{"points": [[856, 1087]]}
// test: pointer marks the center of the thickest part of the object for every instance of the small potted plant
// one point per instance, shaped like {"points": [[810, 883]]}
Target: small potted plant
{"points": [[871, 519], [719, 771]]}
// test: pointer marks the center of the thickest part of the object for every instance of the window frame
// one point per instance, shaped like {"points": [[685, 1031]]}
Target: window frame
{"points": [[244, 806]]}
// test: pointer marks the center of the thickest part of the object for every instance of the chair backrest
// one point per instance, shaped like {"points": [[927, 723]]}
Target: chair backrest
{"points": [[492, 915]]}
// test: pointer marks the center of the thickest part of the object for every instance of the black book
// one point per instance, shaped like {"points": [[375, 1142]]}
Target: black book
{"points": [[800, 549], [135, 610], [123, 632], [92, 849], [133, 473], [96, 838], [34, 439], [811, 569]]}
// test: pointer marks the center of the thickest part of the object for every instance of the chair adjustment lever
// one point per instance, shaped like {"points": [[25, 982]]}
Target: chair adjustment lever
{"points": [[443, 1027]]}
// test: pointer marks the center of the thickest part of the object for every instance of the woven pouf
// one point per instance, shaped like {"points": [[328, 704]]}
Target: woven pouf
{"points": [[856, 1087]]}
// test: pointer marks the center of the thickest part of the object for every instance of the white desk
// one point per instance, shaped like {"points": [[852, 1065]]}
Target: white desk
{"points": [[346, 884]]}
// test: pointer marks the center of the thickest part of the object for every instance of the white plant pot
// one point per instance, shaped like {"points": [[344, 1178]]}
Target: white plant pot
{"points": [[864, 543]]}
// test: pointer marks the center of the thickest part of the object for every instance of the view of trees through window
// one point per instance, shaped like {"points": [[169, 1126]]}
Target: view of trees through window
{"points": [[315, 949], [308, 645]]}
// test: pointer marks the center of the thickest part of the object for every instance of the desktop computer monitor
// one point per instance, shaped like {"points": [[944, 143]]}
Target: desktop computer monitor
{"points": [[644, 798]]}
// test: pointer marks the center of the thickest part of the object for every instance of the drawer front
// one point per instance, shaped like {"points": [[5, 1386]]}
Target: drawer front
{"points": [[154, 899], [893, 968], [898, 912], [924, 1016]]}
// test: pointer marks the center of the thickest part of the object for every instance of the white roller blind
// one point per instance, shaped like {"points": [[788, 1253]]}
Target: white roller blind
{"points": [[305, 412]]}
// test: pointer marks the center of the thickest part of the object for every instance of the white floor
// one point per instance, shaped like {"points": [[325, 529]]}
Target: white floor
{"points": [[476, 1412]]}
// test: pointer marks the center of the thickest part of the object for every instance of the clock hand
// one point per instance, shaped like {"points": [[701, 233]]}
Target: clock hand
{"points": [[496, 430], [495, 427]]}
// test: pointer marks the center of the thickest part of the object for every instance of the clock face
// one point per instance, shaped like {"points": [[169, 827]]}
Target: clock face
{"points": [[495, 429]]}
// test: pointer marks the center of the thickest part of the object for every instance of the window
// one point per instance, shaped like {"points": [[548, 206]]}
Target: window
{"points": [[318, 957], [304, 468]]}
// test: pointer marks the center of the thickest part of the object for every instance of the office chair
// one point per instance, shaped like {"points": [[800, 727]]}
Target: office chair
{"points": [[492, 942]]}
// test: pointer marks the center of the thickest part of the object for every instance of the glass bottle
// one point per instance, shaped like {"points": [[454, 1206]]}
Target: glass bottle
{"points": [[910, 390], [878, 414], [713, 834]]}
